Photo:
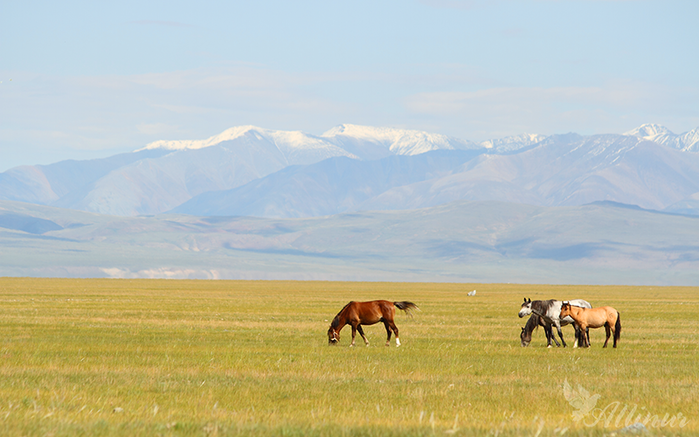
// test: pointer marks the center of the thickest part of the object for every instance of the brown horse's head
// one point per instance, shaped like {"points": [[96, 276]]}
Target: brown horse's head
{"points": [[565, 309], [333, 336], [526, 339]]}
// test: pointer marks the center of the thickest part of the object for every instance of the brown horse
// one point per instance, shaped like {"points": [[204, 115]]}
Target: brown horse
{"points": [[594, 318], [357, 314]]}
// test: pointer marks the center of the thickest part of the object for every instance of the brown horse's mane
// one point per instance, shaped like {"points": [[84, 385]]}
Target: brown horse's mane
{"points": [[336, 321]]}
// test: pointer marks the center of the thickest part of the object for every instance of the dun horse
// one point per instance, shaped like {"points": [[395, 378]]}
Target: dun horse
{"points": [[594, 318], [357, 314]]}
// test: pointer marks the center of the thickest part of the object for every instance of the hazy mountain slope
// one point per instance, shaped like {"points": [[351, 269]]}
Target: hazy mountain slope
{"points": [[329, 187], [156, 185], [164, 174], [461, 241], [609, 167], [27, 184], [689, 205], [44, 184], [563, 170]]}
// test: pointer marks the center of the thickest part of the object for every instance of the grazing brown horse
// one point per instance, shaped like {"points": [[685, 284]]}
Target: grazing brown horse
{"points": [[357, 314], [594, 318]]}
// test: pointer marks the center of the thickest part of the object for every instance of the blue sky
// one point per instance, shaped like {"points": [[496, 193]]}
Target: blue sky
{"points": [[82, 80]]}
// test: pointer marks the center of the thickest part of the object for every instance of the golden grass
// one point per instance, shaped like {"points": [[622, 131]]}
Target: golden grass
{"points": [[163, 357]]}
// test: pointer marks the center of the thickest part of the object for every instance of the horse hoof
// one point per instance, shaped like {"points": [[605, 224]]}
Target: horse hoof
{"points": [[549, 347]]}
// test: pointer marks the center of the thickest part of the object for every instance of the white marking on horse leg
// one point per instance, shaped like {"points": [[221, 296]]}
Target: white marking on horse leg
{"points": [[366, 342], [549, 347], [397, 341]]}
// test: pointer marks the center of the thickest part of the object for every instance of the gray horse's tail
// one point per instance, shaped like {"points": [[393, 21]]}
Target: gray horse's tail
{"points": [[406, 306], [617, 327]]}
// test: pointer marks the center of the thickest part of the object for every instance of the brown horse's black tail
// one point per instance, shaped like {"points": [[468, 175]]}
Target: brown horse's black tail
{"points": [[406, 306], [617, 328]]}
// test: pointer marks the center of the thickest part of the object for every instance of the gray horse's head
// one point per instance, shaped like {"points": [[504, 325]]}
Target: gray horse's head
{"points": [[526, 308]]}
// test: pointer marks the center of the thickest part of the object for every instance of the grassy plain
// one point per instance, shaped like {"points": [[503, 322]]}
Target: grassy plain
{"points": [[198, 358]]}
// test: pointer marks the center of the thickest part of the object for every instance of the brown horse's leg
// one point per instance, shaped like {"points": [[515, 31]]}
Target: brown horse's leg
{"points": [[388, 332], [361, 332], [395, 331], [608, 331], [354, 333]]}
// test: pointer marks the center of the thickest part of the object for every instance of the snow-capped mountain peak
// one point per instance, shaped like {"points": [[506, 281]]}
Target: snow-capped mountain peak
{"points": [[383, 134], [649, 131], [227, 135], [355, 141], [287, 142], [387, 141], [688, 141]]}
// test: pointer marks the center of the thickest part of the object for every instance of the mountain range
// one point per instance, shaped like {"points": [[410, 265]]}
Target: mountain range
{"points": [[253, 171], [364, 203]]}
